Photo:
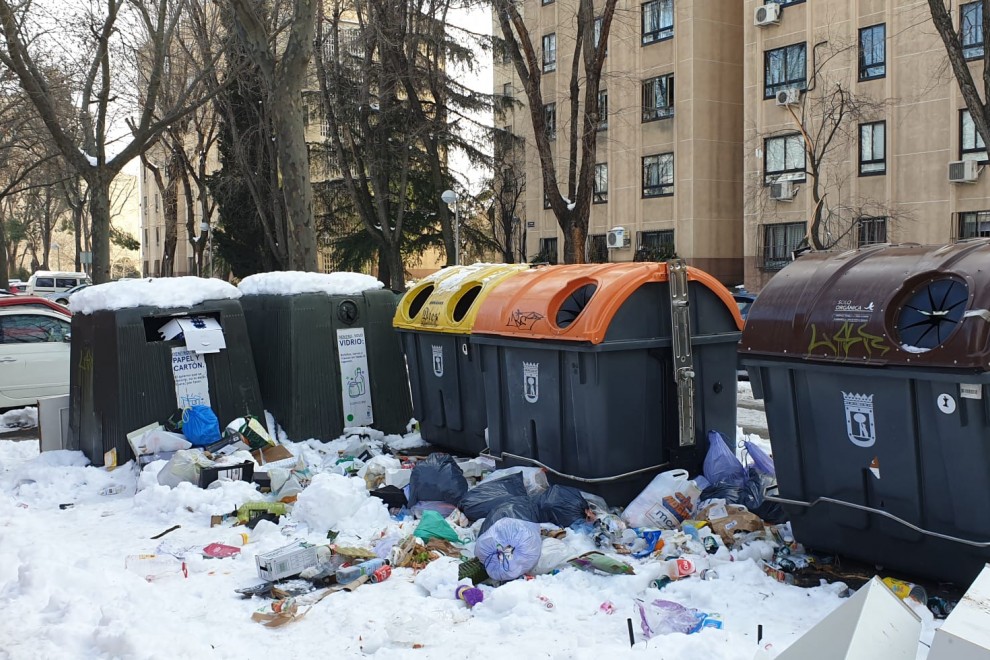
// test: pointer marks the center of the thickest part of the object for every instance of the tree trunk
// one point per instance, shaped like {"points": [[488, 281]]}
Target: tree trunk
{"points": [[99, 212], [575, 241], [4, 266], [397, 274], [294, 161]]}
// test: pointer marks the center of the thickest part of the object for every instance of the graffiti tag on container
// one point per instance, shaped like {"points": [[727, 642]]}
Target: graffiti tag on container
{"points": [[524, 320], [848, 341], [430, 317]]}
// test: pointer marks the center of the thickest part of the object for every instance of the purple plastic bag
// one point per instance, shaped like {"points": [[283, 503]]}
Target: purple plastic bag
{"points": [[721, 467], [761, 461], [662, 617]]}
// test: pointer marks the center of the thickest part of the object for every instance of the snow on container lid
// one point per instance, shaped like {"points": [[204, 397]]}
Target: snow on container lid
{"points": [[448, 300], [292, 282], [575, 302], [151, 292], [905, 305]]}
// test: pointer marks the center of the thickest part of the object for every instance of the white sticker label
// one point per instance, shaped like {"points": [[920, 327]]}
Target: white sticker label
{"points": [[967, 391], [946, 404], [192, 387], [354, 380]]}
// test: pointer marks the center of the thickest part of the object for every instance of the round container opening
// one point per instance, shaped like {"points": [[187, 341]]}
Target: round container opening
{"points": [[416, 306], [930, 313], [574, 304], [464, 303]]}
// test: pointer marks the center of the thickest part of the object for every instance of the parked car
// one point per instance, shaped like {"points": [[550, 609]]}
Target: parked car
{"points": [[47, 281], [62, 298], [34, 350], [744, 299], [17, 287]]}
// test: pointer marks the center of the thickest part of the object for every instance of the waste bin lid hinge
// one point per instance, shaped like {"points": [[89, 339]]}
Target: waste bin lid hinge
{"points": [[680, 332]]}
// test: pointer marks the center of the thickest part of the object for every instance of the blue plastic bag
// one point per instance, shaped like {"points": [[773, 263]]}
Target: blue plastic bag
{"points": [[200, 426], [721, 467], [509, 549]]}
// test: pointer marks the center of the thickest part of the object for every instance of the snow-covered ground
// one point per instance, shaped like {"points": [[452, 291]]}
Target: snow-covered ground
{"points": [[67, 594]]}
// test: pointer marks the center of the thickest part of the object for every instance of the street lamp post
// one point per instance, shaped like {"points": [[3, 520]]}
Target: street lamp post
{"points": [[450, 197], [58, 255], [204, 231]]}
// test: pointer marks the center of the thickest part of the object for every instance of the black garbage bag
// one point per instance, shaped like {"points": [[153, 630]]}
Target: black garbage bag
{"points": [[437, 478], [751, 494], [523, 507], [561, 505], [478, 502]]}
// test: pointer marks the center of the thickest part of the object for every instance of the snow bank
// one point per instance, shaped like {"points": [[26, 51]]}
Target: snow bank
{"points": [[160, 292], [22, 418], [289, 283]]}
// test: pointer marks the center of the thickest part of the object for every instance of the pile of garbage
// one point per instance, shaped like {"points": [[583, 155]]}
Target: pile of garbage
{"points": [[466, 528]]}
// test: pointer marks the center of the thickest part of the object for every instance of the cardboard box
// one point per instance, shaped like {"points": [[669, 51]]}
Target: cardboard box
{"points": [[286, 561], [275, 455], [731, 519], [202, 334]]}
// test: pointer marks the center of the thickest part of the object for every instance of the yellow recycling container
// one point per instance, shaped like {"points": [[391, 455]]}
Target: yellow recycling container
{"points": [[434, 320]]}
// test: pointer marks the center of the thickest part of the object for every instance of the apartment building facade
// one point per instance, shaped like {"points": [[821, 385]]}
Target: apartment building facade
{"points": [[904, 162], [669, 171]]}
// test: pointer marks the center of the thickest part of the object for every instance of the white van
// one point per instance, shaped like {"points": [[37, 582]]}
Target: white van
{"points": [[48, 281]]}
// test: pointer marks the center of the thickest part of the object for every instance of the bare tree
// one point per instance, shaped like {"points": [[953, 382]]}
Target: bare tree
{"points": [[283, 60], [125, 44], [572, 208], [506, 189], [976, 30], [827, 119]]}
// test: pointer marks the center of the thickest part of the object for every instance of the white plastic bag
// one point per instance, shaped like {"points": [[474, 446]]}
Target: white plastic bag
{"points": [[665, 503], [184, 466], [534, 478]]}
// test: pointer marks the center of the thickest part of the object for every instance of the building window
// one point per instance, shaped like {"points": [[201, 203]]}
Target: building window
{"points": [[548, 251], [872, 231], [546, 2], [873, 52], [550, 118], [974, 224], [784, 68], [546, 199], [655, 245], [156, 202], [549, 53], [602, 110], [658, 175], [325, 127], [971, 29], [597, 33], [146, 243], [779, 242], [972, 146], [873, 148], [658, 98], [601, 183], [598, 249], [658, 20], [783, 158], [158, 236], [507, 90]]}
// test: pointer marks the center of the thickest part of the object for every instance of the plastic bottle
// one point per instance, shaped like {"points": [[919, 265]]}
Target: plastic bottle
{"points": [[347, 574], [154, 567]]}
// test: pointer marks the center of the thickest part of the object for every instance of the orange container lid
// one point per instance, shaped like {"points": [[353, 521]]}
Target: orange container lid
{"points": [[575, 302]]}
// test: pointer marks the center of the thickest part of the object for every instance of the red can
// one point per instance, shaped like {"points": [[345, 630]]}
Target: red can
{"points": [[381, 574]]}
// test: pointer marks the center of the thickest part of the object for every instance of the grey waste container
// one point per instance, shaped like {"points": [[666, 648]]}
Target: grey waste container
{"points": [[873, 365], [124, 375], [581, 372], [326, 362]]}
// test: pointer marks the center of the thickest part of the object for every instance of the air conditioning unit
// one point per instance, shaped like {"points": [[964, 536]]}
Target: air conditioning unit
{"points": [[782, 191], [789, 97], [964, 171], [617, 238], [768, 14]]}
